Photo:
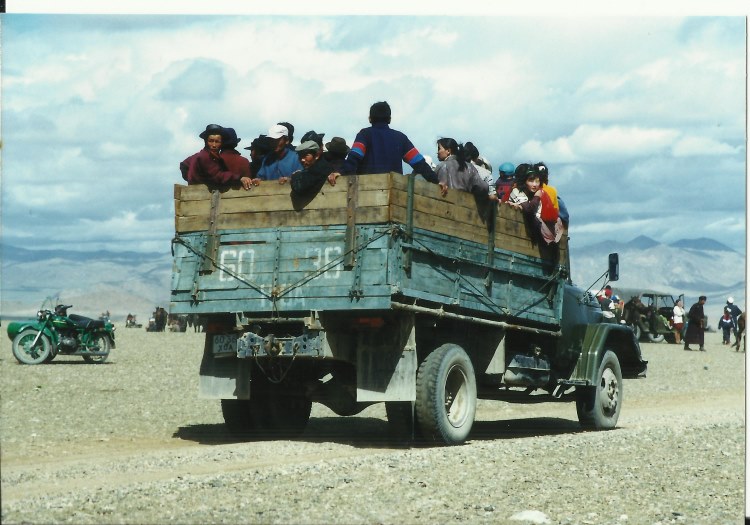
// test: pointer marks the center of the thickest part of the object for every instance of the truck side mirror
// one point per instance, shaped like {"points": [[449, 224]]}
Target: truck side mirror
{"points": [[614, 267]]}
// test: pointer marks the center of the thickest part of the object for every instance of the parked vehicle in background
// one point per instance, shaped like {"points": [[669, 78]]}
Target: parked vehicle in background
{"points": [[55, 332], [649, 314], [379, 290]]}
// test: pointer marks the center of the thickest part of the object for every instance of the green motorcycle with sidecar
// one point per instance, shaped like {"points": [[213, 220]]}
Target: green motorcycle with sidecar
{"points": [[55, 333]]}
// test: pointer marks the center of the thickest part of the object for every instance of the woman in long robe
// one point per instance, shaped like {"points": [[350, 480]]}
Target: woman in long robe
{"points": [[695, 332]]}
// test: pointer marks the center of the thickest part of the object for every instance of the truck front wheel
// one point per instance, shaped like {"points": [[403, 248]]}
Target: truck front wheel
{"points": [[598, 406], [446, 395]]}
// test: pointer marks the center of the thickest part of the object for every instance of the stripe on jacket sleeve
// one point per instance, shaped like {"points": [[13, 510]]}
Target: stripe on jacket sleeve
{"points": [[358, 149], [413, 156]]}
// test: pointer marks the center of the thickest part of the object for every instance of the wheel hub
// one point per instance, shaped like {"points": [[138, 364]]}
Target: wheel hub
{"points": [[610, 391]]}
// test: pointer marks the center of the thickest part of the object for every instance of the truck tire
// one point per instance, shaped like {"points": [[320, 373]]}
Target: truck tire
{"points": [[286, 415], [27, 354], [241, 416], [272, 416], [446, 395], [598, 406]]}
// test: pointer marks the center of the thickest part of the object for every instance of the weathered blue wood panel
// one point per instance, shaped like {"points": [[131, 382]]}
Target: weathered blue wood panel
{"points": [[302, 268]]}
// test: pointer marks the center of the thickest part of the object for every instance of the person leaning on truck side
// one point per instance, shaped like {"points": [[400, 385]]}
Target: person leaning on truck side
{"points": [[207, 166], [481, 166], [336, 152], [235, 162], [382, 149], [259, 148], [316, 170], [282, 161], [694, 332], [539, 212], [456, 170], [504, 182], [562, 211]]}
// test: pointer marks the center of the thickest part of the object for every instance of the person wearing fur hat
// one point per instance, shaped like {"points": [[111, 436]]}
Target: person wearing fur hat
{"points": [[315, 169], [233, 159], [207, 166], [282, 161]]}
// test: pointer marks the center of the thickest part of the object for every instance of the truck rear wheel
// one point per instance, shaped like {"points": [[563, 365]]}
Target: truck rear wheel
{"points": [[240, 415], [271, 413], [598, 406], [446, 395], [286, 414]]}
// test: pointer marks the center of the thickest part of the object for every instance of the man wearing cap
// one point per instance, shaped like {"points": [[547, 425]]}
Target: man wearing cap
{"points": [[282, 161], [207, 166], [315, 172], [504, 183], [381, 149], [735, 312]]}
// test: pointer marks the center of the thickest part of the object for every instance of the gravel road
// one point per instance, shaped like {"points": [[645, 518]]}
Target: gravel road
{"points": [[129, 442]]}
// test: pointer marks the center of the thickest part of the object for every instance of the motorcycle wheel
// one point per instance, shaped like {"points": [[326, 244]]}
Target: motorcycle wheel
{"points": [[27, 354], [99, 343]]}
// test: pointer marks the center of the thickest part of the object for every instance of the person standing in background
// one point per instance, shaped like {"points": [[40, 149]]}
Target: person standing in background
{"points": [[735, 312], [678, 320], [695, 332], [727, 326]]}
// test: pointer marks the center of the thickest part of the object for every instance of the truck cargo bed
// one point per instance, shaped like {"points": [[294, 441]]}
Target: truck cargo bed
{"points": [[367, 243]]}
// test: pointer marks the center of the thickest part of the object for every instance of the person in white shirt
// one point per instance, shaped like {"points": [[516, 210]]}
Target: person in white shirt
{"points": [[678, 320]]}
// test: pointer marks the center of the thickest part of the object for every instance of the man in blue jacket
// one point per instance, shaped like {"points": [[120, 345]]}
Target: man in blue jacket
{"points": [[381, 149], [282, 161]]}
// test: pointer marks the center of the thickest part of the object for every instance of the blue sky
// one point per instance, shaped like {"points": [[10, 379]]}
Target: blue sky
{"points": [[641, 119]]}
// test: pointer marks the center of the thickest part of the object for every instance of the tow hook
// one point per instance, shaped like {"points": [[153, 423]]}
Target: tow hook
{"points": [[271, 345]]}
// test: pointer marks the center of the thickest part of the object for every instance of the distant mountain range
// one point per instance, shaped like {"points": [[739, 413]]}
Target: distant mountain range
{"points": [[692, 267], [93, 282], [133, 282]]}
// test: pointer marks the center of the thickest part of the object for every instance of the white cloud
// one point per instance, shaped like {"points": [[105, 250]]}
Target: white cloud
{"points": [[590, 143], [626, 97], [693, 146]]}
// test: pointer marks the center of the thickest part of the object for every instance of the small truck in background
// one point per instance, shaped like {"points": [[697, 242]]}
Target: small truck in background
{"points": [[378, 290]]}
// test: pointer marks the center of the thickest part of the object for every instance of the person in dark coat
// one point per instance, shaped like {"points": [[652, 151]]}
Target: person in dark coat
{"points": [[695, 332], [316, 170], [258, 148], [336, 152], [381, 149], [235, 162], [207, 166]]}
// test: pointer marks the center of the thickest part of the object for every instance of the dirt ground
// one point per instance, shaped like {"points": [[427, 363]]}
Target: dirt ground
{"points": [[129, 441]]}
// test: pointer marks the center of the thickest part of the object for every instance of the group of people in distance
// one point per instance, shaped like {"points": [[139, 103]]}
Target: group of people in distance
{"points": [[376, 149]]}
